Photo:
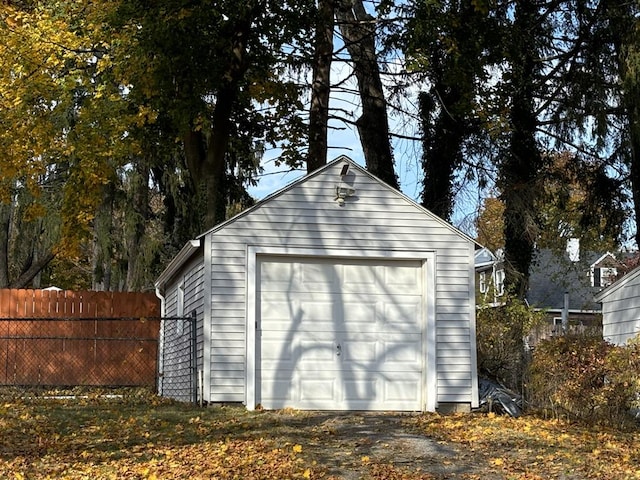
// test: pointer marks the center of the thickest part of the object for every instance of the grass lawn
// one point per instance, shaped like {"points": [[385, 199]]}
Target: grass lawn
{"points": [[147, 438]]}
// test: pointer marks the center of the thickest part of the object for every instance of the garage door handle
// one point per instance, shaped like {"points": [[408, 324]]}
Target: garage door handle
{"points": [[338, 349]]}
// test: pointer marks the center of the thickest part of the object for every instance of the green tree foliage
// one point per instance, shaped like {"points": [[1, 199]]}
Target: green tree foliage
{"points": [[221, 90], [500, 333], [452, 46], [525, 76], [132, 126], [613, 51]]}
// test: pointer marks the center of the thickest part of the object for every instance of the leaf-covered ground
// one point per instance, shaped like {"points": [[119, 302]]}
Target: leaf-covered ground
{"points": [[152, 439]]}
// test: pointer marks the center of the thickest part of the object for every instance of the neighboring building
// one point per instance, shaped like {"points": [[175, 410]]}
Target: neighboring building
{"points": [[489, 276], [337, 292], [562, 284], [621, 308]]}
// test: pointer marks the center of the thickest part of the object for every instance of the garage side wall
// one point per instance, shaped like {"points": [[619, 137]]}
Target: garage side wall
{"points": [[307, 216], [621, 313], [183, 296]]}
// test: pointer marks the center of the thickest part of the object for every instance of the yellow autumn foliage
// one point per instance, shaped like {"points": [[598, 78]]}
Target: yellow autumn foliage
{"points": [[61, 106]]}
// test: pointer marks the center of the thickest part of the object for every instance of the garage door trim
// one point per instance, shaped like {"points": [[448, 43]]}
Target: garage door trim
{"points": [[429, 334]]}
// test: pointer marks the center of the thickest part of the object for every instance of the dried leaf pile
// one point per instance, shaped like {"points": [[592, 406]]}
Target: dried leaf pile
{"points": [[154, 439], [531, 448]]}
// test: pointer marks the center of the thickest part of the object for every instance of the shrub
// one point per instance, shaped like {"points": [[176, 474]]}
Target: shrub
{"points": [[583, 377], [500, 333]]}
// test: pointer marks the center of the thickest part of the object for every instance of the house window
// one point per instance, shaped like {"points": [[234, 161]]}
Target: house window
{"points": [[483, 282], [557, 325], [604, 276], [607, 276], [499, 282]]}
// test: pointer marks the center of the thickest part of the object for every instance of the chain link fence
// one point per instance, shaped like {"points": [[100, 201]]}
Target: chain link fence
{"points": [[62, 353], [177, 372]]}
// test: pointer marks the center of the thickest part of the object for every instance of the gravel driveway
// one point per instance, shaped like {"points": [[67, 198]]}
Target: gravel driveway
{"points": [[346, 443]]}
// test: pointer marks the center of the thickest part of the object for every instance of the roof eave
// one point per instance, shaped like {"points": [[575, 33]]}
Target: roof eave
{"points": [[621, 282], [177, 262]]}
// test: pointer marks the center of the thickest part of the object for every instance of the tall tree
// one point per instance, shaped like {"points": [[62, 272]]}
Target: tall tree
{"points": [[358, 29], [522, 161], [450, 45], [210, 85], [569, 205], [617, 39], [320, 85], [64, 129]]}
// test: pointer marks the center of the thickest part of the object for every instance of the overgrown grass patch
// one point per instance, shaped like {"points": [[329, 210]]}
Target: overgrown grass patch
{"points": [[531, 448], [149, 438], [97, 438]]}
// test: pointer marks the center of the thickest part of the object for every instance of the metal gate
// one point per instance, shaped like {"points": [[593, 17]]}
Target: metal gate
{"points": [[178, 359]]}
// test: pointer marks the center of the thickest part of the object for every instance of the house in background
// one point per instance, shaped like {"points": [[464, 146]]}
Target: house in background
{"points": [[562, 284], [337, 292], [489, 276]]}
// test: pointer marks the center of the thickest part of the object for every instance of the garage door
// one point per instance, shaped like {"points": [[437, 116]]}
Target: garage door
{"points": [[336, 334]]}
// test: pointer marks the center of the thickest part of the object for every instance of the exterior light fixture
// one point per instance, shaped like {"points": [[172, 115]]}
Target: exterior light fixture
{"points": [[343, 192], [343, 189]]}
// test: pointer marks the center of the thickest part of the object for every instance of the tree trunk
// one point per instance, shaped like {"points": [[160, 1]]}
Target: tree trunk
{"points": [[359, 31], [626, 41], [103, 242], [441, 153], [206, 159], [137, 228], [5, 225], [25, 279], [321, 86], [634, 148], [522, 162]]}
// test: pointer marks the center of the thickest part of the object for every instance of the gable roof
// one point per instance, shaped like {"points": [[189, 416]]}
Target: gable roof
{"points": [[552, 274], [320, 171], [194, 245], [484, 258]]}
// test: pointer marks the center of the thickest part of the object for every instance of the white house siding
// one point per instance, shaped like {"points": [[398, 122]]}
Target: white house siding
{"points": [[191, 280], [376, 218], [621, 311]]}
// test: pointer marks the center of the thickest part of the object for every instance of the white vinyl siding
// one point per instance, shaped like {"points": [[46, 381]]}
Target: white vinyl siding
{"points": [[621, 312], [375, 218], [185, 296]]}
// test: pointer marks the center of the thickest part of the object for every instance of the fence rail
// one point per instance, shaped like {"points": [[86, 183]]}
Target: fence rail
{"points": [[23, 303]]}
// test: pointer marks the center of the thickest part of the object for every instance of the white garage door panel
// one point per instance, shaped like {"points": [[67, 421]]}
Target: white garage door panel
{"points": [[330, 391], [340, 335], [403, 313]]}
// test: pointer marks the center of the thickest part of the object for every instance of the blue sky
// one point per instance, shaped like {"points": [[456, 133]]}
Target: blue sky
{"points": [[345, 141]]}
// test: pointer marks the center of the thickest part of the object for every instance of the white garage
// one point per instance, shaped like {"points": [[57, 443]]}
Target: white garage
{"points": [[335, 293]]}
